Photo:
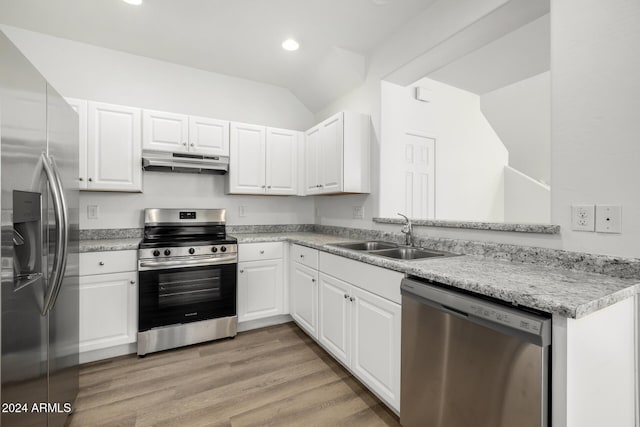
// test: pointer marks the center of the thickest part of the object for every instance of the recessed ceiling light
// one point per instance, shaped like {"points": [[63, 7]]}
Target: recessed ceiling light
{"points": [[134, 2], [290, 44]]}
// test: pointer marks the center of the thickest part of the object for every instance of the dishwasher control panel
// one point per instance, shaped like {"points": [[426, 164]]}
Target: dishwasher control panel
{"points": [[513, 320]]}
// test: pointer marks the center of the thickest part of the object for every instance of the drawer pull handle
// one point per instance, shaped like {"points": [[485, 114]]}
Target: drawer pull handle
{"points": [[301, 256], [261, 252], [101, 263]]}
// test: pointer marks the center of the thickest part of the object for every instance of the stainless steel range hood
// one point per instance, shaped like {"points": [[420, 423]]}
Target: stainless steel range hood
{"points": [[184, 162]]}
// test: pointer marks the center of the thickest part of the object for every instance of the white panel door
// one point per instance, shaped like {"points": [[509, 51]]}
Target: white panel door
{"points": [[312, 161], [164, 131], [108, 310], [282, 161], [113, 148], [80, 107], [419, 175], [375, 351], [334, 317], [331, 154], [304, 298], [208, 136], [260, 289], [247, 159]]}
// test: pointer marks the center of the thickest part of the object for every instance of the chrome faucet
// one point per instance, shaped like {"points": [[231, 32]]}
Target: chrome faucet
{"points": [[407, 230]]}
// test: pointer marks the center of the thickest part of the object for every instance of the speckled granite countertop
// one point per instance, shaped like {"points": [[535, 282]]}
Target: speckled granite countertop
{"points": [[100, 245], [560, 291]]}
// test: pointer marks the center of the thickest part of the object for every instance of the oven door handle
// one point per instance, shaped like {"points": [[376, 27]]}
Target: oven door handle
{"points": [[158, 265]]}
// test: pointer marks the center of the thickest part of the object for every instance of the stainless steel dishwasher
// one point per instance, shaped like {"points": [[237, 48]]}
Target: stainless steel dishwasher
{"points": [[469, 362]]}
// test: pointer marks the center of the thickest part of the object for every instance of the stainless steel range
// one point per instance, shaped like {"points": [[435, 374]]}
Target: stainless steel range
{"points": [[188, 279]]}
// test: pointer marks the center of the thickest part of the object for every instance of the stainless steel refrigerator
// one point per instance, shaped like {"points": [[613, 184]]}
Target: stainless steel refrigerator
{"points": [[39, 243]]}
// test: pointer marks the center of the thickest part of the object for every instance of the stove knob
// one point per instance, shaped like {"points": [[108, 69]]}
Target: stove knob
{"points": [[223, 249], [192, 251], [167, 252], [156, 253], [214, 249]]}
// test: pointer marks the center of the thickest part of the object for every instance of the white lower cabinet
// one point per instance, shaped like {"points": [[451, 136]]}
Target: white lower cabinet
{"points": [[260, 289], [304, 297], [108, 302], [354, 313], [375, 344], [108, 310], [334, 328]]}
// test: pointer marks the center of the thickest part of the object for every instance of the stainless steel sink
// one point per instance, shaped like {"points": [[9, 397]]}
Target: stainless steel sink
{"points": [[372, 245], [408, 253], [391, 250]]}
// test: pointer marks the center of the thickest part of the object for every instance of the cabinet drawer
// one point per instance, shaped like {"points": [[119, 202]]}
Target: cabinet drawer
{"points": [[305, 256], [108, 262], [260, 251]]}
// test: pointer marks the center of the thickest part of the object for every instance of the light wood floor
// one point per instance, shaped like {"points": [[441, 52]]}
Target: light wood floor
{"points": [[274, 376]]}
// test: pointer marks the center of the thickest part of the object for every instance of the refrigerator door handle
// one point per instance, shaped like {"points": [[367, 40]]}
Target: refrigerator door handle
{"points": [[62, 232]]}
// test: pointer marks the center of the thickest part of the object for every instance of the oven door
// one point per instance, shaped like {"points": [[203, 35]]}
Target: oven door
{"points": [[186, 294]]}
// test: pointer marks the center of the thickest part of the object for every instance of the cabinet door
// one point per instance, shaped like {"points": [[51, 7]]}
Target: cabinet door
{"points": [[208, 136], [282, 161], [304, 298], [260, 289], [375, 357], [311, 161], [113, 148], [108, 310], [164, 131], [331, 154], [247, 159], [334, 322], [80, 107]]}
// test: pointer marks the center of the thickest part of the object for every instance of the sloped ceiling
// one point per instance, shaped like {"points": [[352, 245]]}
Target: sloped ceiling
{"points": [[240, 38]]}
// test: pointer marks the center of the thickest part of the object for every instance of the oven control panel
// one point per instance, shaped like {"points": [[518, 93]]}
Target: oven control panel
{"points": [[187, 251]]}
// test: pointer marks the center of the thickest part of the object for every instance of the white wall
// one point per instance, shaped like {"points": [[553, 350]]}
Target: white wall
{"points": [[594, 125], [520, 113], [595, 101], [525, 199], [469, 156], [84, 71]]}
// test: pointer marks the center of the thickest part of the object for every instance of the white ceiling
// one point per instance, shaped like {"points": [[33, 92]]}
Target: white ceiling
{"points": [[236, 37]]}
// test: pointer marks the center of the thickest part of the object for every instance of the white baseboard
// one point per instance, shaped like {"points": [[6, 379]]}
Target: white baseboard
{"points": [[107, 353], [262, 323]]}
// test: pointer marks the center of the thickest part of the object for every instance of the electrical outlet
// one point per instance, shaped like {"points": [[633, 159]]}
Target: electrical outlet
{"points": [[583, 217], [608, 218], [92, 212], [358, 212], [242, 211]]}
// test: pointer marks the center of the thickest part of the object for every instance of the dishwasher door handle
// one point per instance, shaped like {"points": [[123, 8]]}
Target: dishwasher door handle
{"points": [[454, 311]]}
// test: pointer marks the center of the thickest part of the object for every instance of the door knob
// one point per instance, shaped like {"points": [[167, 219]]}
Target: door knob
{"points": [[352, 299], [133, 282], [184, 143], [261, 252], [193, 145], [313, 280], [80, 179], [241, 271], [101, 263], [90, 179], [346, 296]]}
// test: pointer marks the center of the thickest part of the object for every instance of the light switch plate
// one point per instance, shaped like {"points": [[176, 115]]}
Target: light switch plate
{"points": [[583, 217], [608, 218], [358, 212], [242, 211], [92, 212]]}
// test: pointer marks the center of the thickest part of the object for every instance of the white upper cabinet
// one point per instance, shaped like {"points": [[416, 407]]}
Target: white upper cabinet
{"points": [[246, 159], [165, 131], [179, 133], [208, 136], [113, 148], [337, 155], [282, 161], [262, 160], [80, 107], [311, 151]]}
